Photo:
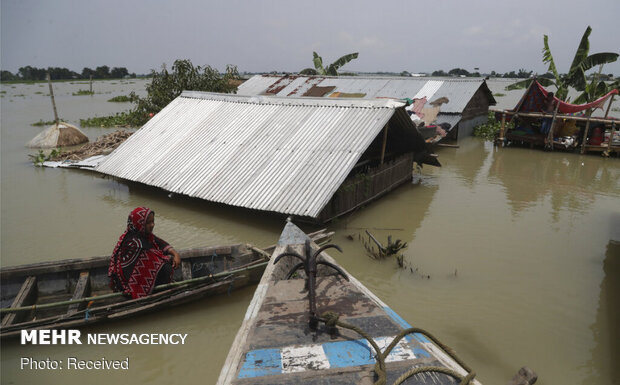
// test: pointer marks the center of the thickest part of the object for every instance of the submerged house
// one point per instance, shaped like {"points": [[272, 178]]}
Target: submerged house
{"points": [[461, 103], [571, 126], [309, 157]]}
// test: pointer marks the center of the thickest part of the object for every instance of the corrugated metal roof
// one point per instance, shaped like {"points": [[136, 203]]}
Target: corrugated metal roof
{"points": [[458, 91], [287, 155], [451, 119]]}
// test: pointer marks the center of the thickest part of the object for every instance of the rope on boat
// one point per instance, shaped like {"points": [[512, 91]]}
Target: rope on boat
{"points": [[331, 320]]}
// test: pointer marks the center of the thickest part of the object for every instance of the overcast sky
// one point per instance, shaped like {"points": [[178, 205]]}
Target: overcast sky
{"points": [[280, 35]]}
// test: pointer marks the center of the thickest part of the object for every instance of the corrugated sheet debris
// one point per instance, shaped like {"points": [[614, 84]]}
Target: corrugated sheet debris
{"points": [[459, 92]]}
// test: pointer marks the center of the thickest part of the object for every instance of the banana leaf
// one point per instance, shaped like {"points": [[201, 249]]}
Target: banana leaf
{"points": [[333, 68]]}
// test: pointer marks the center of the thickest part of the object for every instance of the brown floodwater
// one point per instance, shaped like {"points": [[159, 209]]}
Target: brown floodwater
{"points": [[513, 254]]}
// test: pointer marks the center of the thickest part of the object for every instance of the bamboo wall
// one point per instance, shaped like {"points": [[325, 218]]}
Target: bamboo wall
{"points": [[363, 187]]}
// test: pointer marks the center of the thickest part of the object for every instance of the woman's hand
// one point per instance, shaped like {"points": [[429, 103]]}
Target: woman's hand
{"points": [[176, 258]]}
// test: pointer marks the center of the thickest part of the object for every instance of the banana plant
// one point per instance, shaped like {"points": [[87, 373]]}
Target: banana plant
{"points": [[332, 69], [576, 76]]}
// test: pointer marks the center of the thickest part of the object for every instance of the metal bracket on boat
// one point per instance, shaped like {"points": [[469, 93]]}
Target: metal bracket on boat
{"points": [[310, 265]]}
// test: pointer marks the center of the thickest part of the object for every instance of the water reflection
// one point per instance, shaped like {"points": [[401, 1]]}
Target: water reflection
{"points": [[570, 181], [606, 329], [467, 160]]}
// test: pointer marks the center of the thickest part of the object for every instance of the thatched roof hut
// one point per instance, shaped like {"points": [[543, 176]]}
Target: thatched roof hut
{"points": [[58, 135]]}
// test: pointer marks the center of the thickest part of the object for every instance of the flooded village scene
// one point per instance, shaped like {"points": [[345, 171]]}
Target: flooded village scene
{"points": [[327, 193]]}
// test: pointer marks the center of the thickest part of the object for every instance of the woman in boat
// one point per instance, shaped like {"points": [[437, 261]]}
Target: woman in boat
{"points": [[140, 261]]}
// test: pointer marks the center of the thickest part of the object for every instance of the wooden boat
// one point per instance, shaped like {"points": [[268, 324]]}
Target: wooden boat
{"points": [[75, 292], [289, 336]]}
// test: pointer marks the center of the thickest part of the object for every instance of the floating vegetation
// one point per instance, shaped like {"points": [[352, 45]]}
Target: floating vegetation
{"points": [[42, 123], [83, 92], [121, 119], [120, 99], [38, 93], [2, 92], [41, 156], [499, 94]]}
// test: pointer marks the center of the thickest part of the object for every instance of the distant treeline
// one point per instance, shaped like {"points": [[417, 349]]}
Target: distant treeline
{"points": [[29, 73]]}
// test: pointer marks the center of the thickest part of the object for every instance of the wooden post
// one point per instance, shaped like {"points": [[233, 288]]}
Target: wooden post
{"points": [[611, 100], [585, 131], [550, 134], [91, 84], [49, 82], [501, 130], [385, 131], [611, 137]]}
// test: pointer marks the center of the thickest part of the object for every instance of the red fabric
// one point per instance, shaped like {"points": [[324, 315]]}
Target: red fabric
{"points": [[567, 108], [137, 258]]}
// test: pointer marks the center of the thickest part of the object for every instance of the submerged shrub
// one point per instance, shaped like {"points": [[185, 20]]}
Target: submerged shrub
{"points": [[489, 129]]}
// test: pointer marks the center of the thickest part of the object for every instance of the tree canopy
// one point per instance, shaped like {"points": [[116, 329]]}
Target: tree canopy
{"points": [[576, 76], [167, 85]]}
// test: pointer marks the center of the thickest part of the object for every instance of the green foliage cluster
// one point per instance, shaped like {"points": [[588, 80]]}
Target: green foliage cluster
{"points": [[166, 86], [41, 156], [120, 99], [330, 70], [42, 123], [83, 92], [121, 119], [576, 76], [489, 130]]}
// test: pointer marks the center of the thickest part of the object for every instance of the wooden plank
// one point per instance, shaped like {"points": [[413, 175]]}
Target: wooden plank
{"points": [[585, 132], [385, 134], [608, 121], [82, 264], [82, 289], [186, 268], [27, 295]]}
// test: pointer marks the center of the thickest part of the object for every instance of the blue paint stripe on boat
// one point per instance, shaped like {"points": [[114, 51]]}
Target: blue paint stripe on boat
{"points": [[343, 354], [404, 324], [398, 319], [263, 362]]}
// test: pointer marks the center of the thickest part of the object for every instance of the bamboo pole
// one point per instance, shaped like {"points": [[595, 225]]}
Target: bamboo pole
{"points": [[49, 83], [91, 84], [385, 132], [611, 137], [585, 132], [501, 130], [550, 134], [611, 100], [541, 115]]}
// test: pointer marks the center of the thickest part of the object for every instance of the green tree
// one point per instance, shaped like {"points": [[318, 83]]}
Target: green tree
{"points": [[166, 86], [87, 73], [576, 76], [458, 72], [332, 69], [102, 72], [7, 76], [119, 73]]}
